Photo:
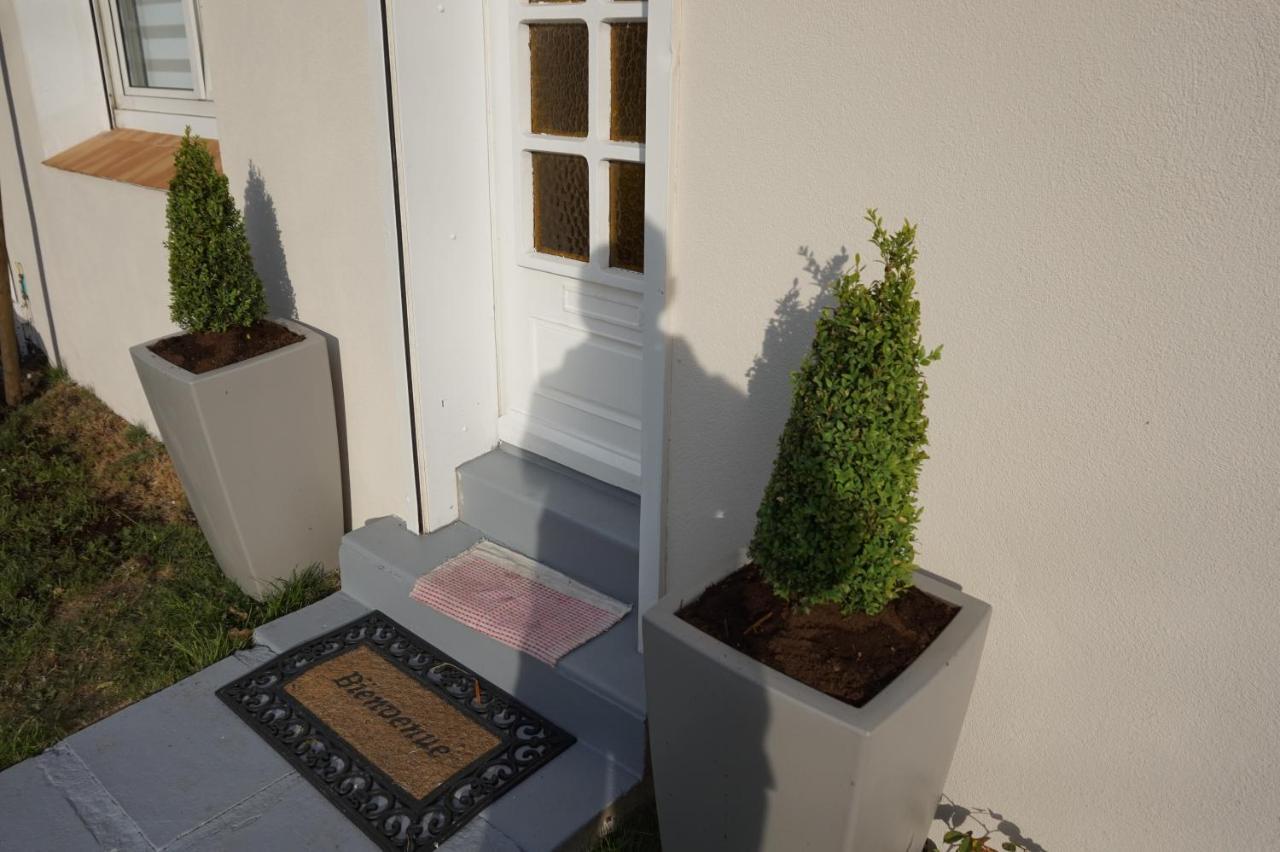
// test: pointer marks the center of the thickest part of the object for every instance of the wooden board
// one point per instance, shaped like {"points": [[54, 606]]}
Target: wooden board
{"points": [[138, 157]]}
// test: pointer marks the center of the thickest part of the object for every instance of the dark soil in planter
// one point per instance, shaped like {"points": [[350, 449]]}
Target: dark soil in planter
{"points": [[202, 351], [849, 657]]}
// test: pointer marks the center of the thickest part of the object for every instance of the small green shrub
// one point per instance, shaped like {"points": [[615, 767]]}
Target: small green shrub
{"points": [[213, 286], [838, 518]]}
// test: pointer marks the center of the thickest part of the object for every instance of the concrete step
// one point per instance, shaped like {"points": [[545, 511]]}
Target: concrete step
{"points": [[576, 524], [596, 692]]}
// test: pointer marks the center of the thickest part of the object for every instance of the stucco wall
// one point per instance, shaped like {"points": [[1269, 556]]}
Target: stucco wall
{"points": [[300, 96], [104, 266], [1098, 198], [301, 101]]}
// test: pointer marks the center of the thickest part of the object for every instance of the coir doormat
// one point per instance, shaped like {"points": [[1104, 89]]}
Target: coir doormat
{"points": [[403, 740]]}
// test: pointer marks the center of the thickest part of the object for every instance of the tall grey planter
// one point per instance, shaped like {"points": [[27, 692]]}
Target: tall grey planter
{"points": [[746, 758], [256, 447]]}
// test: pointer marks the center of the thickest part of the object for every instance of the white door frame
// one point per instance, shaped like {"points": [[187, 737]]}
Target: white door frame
{"points": [[443, 96]]}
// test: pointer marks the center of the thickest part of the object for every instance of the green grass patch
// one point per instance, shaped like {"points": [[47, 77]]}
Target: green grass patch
{"points": [[108, 590], [637, 832]]}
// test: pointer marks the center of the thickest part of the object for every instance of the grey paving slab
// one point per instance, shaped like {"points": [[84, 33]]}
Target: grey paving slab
{"points": [[559, 799], [291, 814], [34, 814], [310, 621], [480, 835], [179, 758], [288, 814], [96, 808]]}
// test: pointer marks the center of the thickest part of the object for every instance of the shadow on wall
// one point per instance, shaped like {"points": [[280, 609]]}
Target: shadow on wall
{"points": [[757, 415], [982, 822], [751, 419], [263, 229], [786, 340]]}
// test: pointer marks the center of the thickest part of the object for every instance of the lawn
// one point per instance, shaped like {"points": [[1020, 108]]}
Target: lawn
{"points": [[636, 832], [108, 590]]}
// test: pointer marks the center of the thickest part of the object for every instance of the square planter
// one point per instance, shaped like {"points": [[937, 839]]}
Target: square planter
{"points": [[747, 758], [256, 446]]}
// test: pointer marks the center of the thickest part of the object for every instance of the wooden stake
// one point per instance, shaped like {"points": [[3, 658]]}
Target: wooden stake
{"points": [[8, 332], [759, 621]]}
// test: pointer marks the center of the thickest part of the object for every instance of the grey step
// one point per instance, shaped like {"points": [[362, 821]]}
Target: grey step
{"points": [[576, 524], [596, 691]]}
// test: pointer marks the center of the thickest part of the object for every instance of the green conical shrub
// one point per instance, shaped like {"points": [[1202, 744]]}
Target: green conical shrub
{"points": [[212, 283], [837, 522]]}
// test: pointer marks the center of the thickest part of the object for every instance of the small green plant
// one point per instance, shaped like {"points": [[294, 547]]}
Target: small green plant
{"points": [[837, 522], [213, 286]]}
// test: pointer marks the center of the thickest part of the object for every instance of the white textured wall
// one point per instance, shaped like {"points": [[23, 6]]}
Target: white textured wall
{"points": [[105, 268], [300, 95], [1099, 203]]}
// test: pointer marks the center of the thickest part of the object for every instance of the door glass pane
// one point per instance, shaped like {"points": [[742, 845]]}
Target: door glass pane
{"points": [[561, 205], [558, 78], [626, 215], [156, 52], [628, 44]]}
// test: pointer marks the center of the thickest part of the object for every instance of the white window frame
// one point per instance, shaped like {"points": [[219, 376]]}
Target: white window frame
{"points": [[156, 109]]}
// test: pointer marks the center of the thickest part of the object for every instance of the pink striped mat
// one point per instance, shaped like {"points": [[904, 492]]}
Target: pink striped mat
{"points": [[519, 602]]}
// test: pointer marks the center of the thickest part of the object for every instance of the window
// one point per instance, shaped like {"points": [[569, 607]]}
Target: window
{"points": [[580, 120], [154, 65]]}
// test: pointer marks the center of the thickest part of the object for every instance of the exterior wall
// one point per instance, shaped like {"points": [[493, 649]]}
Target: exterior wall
{"points": [[302, 98], [104, 266], [1097, 197]]}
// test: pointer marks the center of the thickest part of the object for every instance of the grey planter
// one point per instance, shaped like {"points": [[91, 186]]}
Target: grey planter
{"points": [[746, 758], [256, 447]]}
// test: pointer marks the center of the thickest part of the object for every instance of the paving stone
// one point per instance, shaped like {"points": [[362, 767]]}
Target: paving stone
{"points": [[180, 758], [36, 815], [479, 835], [292, 814], [288, 814], [311, 621], [560, 798]]}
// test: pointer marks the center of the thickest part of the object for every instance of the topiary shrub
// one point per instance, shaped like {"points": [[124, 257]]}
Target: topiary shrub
{"points": [[837, 522], [213, 286]]}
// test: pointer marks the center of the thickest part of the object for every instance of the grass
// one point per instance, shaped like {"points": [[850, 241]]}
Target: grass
{"points": [[637, 832], [108, 590]]}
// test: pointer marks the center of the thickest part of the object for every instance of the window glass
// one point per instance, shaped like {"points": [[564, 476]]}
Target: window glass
{"points": [[561, 205], [154, 38], [626, 215], [628, 47], [558, 78]]}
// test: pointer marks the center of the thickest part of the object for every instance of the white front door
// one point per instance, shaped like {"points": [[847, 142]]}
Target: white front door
{"points": [[567, 92]]}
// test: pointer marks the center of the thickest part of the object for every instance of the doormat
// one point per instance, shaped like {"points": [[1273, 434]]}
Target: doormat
{"points": [[521, 603], [407, 743]]}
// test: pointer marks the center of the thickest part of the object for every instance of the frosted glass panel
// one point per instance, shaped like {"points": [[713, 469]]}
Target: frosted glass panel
{"points": [[626, 216], [558, 78], [561, 205], [156, 52], [628, 43]]}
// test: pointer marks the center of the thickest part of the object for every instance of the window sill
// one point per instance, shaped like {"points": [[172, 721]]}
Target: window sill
{"points": [[138, 157]]}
